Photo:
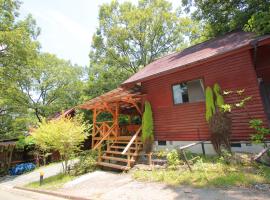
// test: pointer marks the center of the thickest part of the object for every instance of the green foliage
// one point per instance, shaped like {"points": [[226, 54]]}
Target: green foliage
{"points": [[209, 101], [220, 17], [209, 172], [130, 36], [24, 142], [219, 98], [260, 132], [259, 23], [87, 163], [32, 84], [173, 159], [147, 123], [63, 135], [220, 123]]}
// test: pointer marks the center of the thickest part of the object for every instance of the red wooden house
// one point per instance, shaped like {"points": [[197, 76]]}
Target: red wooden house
{"points": [[174, 85]]}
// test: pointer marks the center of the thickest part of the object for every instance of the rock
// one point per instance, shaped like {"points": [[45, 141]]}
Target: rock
{"points": [[262, 187]]}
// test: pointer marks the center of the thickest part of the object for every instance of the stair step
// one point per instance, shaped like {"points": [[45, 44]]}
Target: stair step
{"points": [[114, 166], [125, 142], [122, 147], [120, 153], [116, 159]]}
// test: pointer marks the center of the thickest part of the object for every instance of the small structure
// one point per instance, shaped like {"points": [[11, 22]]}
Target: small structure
{"points": [[6, 150], [121, 141]]}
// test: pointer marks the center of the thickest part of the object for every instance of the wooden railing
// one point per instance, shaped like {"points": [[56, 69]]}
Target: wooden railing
{"points": [[105, 136], [127, 149]]}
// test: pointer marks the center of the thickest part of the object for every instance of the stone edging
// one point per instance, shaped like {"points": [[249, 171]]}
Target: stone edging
{"points": [[51, 193]]}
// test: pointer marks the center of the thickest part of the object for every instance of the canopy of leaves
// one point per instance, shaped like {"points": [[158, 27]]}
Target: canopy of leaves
{"points": [[222, 16], [130, 36], [63, 135], [32, 84]]}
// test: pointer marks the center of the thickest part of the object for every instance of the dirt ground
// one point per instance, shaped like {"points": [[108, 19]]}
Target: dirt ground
{"points": [[109, 185]]}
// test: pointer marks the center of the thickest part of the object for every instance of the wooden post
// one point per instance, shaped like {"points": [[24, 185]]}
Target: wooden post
{"points": [[116, 119], [185, 159], [128, 164], [94, 126], [99, 153]]}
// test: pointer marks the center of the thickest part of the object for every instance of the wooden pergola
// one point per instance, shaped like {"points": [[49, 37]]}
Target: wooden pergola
{"points": [[116, 102]]}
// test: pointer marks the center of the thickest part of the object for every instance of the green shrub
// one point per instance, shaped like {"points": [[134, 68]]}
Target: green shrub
{"points": [[64, 135], [173, 159], [210, 106], [147, 128], [260, 132], [87, 163]]}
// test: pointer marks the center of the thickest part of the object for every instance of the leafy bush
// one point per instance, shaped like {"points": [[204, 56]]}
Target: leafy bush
{"points": [[173, 159], [24, 142], [87, 163], [260, 132], [64, 135]]}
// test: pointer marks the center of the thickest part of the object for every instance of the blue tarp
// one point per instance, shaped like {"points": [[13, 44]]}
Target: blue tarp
{"points": [[22, 168]]}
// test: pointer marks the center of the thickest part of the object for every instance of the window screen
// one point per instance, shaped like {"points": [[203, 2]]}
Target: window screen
{"points": [[191, 91]]}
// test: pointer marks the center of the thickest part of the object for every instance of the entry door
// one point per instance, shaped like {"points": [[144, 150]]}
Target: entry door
{"points": [[265, 93]]}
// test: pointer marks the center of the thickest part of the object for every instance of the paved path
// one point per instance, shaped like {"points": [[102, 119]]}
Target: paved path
{"points": [[11, 181], [107, 185], [13, 194]]}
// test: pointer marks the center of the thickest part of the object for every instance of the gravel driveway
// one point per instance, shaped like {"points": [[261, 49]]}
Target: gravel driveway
{"points": [[108, 185]]}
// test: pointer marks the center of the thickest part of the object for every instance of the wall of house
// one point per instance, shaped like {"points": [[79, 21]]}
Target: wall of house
{"points": [[186, 122], [263, 63]]}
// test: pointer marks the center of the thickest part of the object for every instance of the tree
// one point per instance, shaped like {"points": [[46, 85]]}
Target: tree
{"points": [[130, 36], [63, 135], [50, 85], [32, 84], [18, 47], [220, 17]]}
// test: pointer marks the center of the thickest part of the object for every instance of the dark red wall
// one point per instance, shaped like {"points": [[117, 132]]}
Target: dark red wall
{"points": [[187, 121], [263, 63]]}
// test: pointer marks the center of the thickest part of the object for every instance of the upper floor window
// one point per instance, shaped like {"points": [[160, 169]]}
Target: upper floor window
{"points": [[190, 91]]}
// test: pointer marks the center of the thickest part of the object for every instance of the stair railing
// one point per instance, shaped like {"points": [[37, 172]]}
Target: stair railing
{"points": [[127, 149], [98, 145]]}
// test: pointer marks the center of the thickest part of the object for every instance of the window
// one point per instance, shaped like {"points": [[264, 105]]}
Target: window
{"points": [[162, 143], [191, 91]]}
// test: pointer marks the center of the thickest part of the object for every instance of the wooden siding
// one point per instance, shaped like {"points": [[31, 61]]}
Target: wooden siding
{"points": [[187, 121], [263, 63]]}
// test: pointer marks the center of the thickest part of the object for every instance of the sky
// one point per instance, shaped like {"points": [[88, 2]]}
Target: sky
{"points": [[67, 26]]}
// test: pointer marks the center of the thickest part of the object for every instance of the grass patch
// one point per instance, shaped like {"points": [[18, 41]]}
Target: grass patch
{"points": [[208, 173], [52, 182]]}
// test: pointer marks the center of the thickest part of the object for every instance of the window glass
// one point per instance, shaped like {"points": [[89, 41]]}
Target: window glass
{"points": [[180, 93], [195, 91], [191, 91]]}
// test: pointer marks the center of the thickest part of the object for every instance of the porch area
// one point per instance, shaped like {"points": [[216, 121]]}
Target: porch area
{"points": [[116, 130]]}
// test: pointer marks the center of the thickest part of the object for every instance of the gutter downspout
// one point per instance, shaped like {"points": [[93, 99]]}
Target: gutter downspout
{"points": [[255, 46]]}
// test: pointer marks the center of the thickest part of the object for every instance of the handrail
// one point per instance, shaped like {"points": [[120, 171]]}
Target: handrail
{"points": [[104, 122], [108, 133], [132, 140]]}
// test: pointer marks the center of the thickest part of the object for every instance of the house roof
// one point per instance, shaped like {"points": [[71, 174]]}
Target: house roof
{"points": [[211, 48]]}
